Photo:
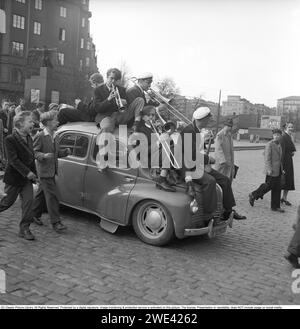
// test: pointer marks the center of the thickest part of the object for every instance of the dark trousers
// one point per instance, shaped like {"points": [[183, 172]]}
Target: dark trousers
{"points": [[47, 191], [225, 183], [26, 196], [271, 184], [294, 246], [125, 117], [209, 194], [72, 115]]}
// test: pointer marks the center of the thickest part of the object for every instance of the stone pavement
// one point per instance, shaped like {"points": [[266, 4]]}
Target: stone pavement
{"points": [[90, 266]]}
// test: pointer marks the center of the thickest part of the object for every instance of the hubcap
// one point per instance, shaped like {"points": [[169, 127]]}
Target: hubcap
{"points": [[152, 221]]}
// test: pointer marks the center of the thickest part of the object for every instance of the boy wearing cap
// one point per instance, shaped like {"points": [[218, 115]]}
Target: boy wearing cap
{"points": [[273, 171], [136, 93], [145, 127], [47, 151], [201, 118]]}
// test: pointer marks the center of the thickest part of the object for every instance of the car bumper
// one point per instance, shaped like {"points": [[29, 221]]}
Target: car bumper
{"points": [[211, 229]]}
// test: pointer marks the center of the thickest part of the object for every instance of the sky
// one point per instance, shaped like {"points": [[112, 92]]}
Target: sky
{"points": [[241, 47]]}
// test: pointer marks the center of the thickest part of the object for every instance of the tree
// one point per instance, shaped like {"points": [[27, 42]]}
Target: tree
{"points": [[167, 87]]}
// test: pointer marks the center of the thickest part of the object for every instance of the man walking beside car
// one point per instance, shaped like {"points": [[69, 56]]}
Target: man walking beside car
{"points": [[224, 155]]}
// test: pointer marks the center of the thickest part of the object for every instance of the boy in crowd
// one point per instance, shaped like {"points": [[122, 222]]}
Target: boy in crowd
{"points": [[273, 171], [47, 152], [145, 127], [20, 171]]}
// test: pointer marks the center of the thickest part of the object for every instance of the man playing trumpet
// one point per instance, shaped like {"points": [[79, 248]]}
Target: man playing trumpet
{"points": [[112, 104]]}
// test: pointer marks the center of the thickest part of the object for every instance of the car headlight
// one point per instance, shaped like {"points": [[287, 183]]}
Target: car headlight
{"points": [[194, 206]]}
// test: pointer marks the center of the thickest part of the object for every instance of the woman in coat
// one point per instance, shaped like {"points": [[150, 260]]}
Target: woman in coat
{"points": [[288, 150]]}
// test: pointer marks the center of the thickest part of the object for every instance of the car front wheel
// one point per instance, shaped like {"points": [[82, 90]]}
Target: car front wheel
{"points": [[152, 223]]}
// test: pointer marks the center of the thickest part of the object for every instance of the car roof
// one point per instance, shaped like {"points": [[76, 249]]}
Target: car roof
{"points": [[83, 127]]}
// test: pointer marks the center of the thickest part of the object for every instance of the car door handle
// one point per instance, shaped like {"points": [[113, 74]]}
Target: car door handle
{"points": [[129, 179]]}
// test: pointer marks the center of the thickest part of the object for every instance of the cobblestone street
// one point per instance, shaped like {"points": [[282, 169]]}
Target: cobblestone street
{"points": [[87, 265]]}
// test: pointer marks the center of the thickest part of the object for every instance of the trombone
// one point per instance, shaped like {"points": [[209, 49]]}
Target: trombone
{"points": [[157, 97], [166, 147]]}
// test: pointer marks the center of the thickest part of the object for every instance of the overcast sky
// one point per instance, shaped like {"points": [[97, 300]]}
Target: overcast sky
{"points": [[243, 47]]}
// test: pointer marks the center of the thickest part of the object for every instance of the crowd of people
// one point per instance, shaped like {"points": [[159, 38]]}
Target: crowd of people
{"points": [[30, 150]]}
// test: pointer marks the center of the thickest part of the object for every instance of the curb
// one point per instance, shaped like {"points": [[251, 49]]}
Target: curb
{"points": [[245, 148]]}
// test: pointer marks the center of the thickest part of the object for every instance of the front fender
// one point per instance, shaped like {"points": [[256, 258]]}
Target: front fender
{"points": [[177, 203]]}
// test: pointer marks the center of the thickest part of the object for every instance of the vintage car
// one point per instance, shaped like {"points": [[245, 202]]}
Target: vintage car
{"points": [[122, 197]]}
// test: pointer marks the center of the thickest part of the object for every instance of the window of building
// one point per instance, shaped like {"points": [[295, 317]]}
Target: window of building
{"points": [[61, 59], [22, 1], [62, 35], [38, 4], [88, 45], [16, 76], [37, 28], [80, 65], [84, 2], [82, 43], [19, 22], [63, 12], [17, 49], [87, 62], [83, 22]]}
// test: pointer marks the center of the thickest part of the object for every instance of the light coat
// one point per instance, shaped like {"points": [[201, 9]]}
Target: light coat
{"points": [[273, 155], [224, 154]]}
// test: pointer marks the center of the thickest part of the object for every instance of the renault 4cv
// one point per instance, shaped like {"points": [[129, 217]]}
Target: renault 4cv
{"points": [[123, 197]]}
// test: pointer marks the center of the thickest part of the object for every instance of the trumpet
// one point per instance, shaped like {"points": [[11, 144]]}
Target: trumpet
{"points": [[118, 99]]}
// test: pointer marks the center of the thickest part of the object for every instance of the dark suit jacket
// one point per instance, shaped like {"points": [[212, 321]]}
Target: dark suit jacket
{"points": [[20, 158], [47, 168], [135, 92], [191, 129], [100, 104]]}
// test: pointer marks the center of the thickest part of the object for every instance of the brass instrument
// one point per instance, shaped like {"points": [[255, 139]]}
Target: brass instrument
{"points": [[118, 99], [157, 97], [166, 147]]}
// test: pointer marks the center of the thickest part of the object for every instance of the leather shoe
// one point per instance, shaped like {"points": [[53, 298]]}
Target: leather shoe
{"points": [[37, 221], [163, 184], [292, 259], [59, 227], [287, 203], [278, 210], [237, 216], [26, 234], [251, 199]]}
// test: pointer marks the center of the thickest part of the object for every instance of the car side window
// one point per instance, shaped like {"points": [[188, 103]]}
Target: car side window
{"points": [[120, 153], [81, 146], [78, 144]]}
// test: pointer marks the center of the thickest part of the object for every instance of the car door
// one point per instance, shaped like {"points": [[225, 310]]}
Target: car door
{"points": [[71, 169], [107, 191]]}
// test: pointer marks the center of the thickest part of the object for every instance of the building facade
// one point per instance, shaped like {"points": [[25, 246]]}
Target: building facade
{"points": [[236, 105], [290, 108], [52, 33]]}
